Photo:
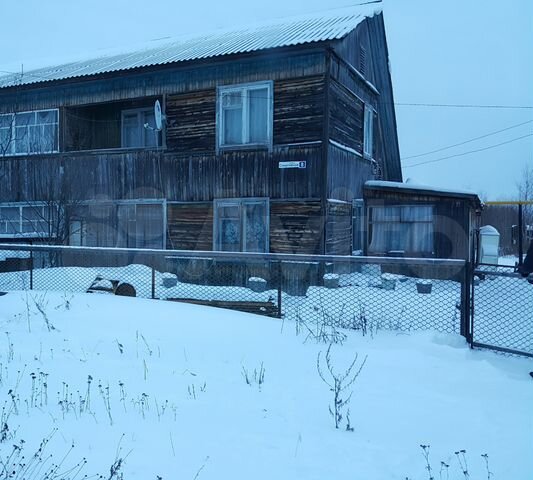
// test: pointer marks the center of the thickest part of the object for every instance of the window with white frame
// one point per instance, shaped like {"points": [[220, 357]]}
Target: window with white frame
{"points": [[245, 115], [29, 132], [406, 228], [241, 225], [139, 129], [368, 132], [27, 221]]}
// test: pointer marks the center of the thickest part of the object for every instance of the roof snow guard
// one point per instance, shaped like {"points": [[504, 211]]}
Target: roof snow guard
{"points": [[260, 36]]}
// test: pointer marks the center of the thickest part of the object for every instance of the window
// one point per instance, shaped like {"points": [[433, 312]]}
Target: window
{"points": [[122, 225], [368, 132], [27, 221], [138, 129], [140, 225], [245, 115], [29, 132], [402, 229], [241, 225]]}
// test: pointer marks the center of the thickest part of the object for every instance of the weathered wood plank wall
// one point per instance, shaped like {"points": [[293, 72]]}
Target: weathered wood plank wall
{"points": [[168, 79], [296, 227], [190, 226], [338, 228]]}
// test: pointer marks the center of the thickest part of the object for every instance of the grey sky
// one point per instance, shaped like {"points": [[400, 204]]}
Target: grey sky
{"points": [[441, 52]]}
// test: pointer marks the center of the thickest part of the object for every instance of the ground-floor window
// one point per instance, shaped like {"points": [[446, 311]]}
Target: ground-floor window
{"points": [[406, 228], [241, 225], [121, 225], [32, 220]]}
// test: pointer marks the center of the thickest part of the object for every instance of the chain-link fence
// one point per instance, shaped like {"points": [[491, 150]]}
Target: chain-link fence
{"points": [[503, 310], [320, 294]]}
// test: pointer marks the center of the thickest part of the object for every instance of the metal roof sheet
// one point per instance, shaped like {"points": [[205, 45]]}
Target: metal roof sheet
{"points": [[274, 34]]}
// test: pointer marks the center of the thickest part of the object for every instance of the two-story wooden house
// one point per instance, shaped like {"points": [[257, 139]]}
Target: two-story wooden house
{"points": [[269, 133]]}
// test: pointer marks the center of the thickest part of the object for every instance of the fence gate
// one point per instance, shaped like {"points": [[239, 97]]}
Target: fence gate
{"points": [[502, 310]]}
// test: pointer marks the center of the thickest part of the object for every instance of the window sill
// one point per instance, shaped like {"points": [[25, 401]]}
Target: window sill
{"points": [[248, 146]]}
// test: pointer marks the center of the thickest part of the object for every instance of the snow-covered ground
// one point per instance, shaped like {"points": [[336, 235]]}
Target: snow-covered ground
{"points": [[162, 386]]}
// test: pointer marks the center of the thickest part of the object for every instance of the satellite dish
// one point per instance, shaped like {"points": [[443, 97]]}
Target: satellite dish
{"points": [[158, 114]]}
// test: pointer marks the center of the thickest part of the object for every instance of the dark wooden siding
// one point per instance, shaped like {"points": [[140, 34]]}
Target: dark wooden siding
{"points": [[346, 117], [296, 227], [168, 79], [349, 49], [385, 108], [153, 174], [299, 110], [347, 173], [338, 228], [190, 226], [298, 115], [371, 35], [191, 121]]}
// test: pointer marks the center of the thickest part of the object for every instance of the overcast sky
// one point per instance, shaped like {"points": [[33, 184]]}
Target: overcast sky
{"points": [[467, 52]]}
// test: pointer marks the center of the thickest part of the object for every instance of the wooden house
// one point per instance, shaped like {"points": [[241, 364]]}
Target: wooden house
{"points": [[269, 134]]}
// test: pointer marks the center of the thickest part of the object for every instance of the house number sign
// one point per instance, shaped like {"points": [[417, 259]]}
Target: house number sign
{"points": [[302, 164]]}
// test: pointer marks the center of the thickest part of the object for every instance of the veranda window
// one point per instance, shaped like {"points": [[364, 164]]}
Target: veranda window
{"points": [[241, 225], [245, 115], [29, 132], [406, 228], [138, 129]]}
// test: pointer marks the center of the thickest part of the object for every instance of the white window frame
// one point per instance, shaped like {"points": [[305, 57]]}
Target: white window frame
{"points": [[22, 219], [239, 203], [368, 132], [245, 88], [145, 131], [11, 151]]}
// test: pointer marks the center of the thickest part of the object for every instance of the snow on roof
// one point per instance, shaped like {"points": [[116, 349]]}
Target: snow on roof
{"points": [[285, 32], [381, 184]]}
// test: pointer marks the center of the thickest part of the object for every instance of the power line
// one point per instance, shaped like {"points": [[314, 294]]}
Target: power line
{"points": [[470, 152], [467, 141], [463, 105]]}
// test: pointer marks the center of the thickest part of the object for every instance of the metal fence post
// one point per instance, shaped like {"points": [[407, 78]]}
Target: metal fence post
{"points": [[153, 282]]}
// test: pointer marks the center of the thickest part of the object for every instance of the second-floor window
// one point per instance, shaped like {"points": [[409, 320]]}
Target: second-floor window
{"points": [[245, 115], [29, 132], [138, 129]]}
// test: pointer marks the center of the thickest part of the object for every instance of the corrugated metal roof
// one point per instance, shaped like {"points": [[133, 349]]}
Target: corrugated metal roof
{"points": [[282, 33]]}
